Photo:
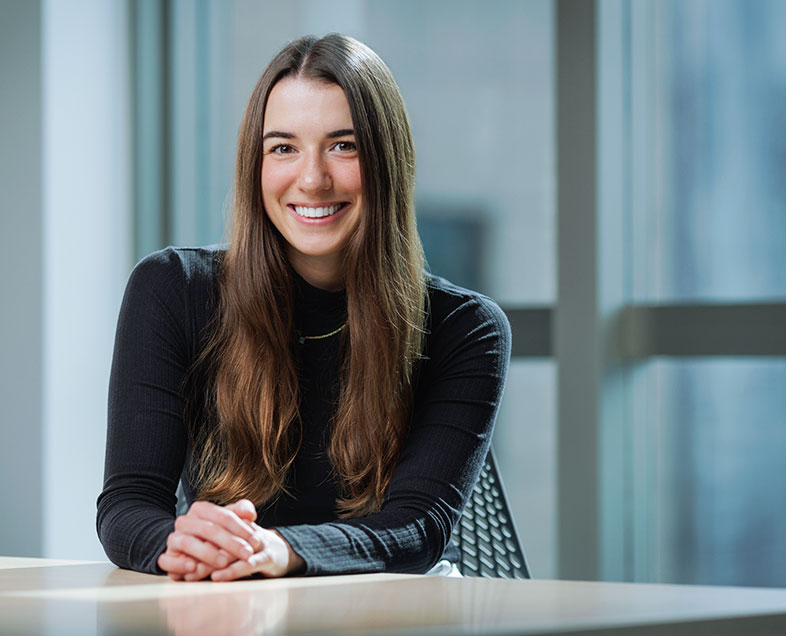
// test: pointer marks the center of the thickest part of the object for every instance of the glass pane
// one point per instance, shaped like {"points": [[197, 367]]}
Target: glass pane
{"points": [[525, 443], [477, 78], [719, 232], [720, 492]]}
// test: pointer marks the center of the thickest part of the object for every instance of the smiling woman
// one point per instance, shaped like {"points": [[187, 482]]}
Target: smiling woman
{"points": [[311, 185], [326, 404]]}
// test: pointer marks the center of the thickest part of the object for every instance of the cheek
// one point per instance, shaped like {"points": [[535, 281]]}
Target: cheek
{"points": [[349, 176], [273, 180]]}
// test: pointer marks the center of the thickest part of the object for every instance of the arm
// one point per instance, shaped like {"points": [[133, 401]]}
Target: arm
{"points": [[146, 441], [165, 309], [456, 403]]}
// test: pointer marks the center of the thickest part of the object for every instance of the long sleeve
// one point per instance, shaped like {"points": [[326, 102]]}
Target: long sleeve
{"points": [[146, 440], [456, 402]]}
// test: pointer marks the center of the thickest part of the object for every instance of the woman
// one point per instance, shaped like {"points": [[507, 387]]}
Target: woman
{"points": [[327, 404]]}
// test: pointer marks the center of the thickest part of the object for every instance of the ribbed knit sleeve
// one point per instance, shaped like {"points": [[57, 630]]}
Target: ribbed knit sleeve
{"points": [[458, 394], [146, 439]]}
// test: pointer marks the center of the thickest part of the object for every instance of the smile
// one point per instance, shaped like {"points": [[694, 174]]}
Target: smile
{"points": [[317, 213]]}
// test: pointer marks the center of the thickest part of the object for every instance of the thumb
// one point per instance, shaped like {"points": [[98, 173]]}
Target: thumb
{"points": [[244, 509]]}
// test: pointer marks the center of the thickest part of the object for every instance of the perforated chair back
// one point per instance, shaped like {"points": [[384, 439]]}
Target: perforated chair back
{"points": [[485, 534]]}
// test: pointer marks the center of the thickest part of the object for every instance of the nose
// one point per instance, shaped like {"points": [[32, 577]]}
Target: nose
{"points": [[314, 174]]}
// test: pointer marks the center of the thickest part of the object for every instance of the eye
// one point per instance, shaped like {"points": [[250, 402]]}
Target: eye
{"points": [[345, 146], [281, 149]]}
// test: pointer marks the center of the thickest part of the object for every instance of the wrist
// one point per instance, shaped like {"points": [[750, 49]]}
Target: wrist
{"points": [[295, 563]]}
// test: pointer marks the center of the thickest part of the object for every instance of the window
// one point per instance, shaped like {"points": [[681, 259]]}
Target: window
{"points": [[715, 233]]}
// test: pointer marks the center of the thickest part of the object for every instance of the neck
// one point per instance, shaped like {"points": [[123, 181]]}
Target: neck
{"points": [[324, 272]]}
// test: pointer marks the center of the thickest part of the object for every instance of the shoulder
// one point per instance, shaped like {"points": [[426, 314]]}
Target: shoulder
{"points": [[464, 327], [449, 303], [176, 282], [173, 292], [467, 343], [173, 265]]}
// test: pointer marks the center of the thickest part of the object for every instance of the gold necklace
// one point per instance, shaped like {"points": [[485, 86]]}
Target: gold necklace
{"points": [[302, 338]]}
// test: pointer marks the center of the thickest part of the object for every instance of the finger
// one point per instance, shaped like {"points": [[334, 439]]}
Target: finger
{"points": [[244, 509], [259, 537], [224, 517], [202, 572], [236, 546], [242, 569], [198, 549], [175, 562]]}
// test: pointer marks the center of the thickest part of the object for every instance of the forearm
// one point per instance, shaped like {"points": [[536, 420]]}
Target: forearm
{"points": [[146, 438], [133, 533], [378, 543]]}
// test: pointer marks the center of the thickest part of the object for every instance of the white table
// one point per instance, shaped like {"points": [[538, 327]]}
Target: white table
{"points": [[59, 597]]}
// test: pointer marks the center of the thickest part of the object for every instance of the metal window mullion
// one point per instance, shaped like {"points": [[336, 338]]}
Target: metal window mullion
{"points": [[150, 147], [707, 329], [576, 325]]}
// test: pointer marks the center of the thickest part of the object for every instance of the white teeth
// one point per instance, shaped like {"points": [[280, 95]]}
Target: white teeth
{"points": [[315, 213]]}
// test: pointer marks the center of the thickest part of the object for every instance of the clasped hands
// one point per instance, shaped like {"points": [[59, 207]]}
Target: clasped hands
{"points": [[224, 543]]}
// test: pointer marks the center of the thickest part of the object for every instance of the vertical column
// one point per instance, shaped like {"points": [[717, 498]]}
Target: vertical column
{"points": [[149, 29], [577, 325], [21, 285], [87, 241], [597, 436]]}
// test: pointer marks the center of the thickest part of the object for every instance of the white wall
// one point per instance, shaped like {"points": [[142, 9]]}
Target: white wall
{"points": [[86, 257]]}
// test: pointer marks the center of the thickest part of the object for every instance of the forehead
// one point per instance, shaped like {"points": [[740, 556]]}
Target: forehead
{"points": [[300, 106]]}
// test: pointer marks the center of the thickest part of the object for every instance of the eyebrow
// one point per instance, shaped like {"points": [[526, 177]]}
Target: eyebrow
{"points": [[342, 132], [278, 133]]}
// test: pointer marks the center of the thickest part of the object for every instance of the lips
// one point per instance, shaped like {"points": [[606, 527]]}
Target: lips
{"points": [[310, 212]]}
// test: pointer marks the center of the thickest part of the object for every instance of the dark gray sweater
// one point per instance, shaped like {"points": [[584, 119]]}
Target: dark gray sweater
{"points": [[170, 298]]}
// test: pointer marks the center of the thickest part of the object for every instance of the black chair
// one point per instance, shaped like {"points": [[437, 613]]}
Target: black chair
{"points": [[485, 534]]}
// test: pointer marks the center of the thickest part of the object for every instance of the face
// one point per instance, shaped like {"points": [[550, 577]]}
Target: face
{"points": [[311, 186]]}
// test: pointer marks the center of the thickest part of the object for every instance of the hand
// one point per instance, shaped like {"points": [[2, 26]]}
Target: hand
{"points": [[275, 558], [210, 537]]}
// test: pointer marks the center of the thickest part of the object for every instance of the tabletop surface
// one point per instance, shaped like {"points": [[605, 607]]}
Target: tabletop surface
{"points": [[40, 596]]}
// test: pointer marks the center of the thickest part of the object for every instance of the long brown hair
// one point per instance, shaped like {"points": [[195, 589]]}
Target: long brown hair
{"points": [[250, 356]]}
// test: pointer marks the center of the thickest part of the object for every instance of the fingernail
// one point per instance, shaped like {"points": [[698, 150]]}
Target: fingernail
{"points": [[190, 565], [222, 561], [247, 550]]}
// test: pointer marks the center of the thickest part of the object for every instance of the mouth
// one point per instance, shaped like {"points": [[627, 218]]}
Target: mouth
{"points": [[312, 212]]}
